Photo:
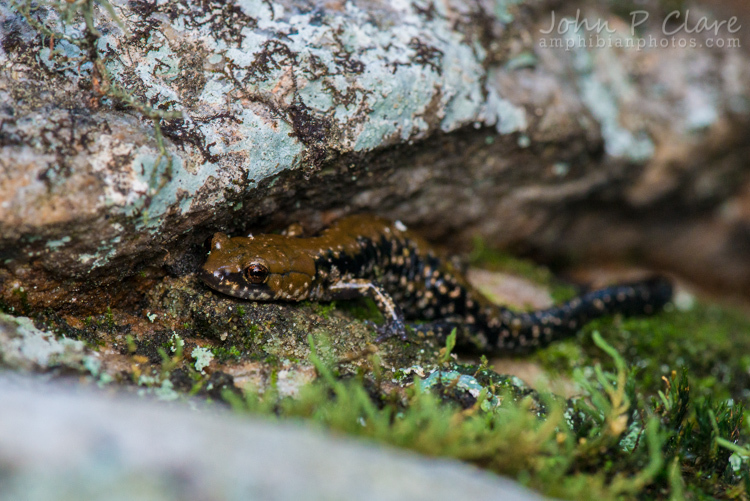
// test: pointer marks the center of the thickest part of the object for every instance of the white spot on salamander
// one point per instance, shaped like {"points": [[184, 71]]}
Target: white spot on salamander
{"points": [[399, 225]]}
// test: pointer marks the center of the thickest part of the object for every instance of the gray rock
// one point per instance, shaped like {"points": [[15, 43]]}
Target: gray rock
{"points": [[23, 346], [459, 118], [62, 443]]}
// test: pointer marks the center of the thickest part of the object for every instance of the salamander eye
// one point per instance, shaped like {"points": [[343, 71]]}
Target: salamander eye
{"points": [[256, 273]]}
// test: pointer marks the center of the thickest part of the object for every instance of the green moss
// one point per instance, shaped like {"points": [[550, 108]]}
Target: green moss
{"points": [[323, 309], [130, 343], [6, 308], [611, 443], [713, 342], [23, 297], [483, 256], [110, 319], [226, 354], [363, 309], [638, 429], [562, 292], [52, 321]]}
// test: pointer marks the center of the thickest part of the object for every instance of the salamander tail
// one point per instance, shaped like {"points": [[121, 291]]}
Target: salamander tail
{"points": [[525, 331]]}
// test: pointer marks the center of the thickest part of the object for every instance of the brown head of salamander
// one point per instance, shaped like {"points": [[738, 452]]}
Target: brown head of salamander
{"points": [[266, 268]]}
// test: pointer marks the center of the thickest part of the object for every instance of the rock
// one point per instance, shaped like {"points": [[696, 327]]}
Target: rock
{"points": [[23, 346], [60, 443], [460, 119]]}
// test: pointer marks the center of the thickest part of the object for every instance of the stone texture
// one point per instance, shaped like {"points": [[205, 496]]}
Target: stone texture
{"points": [[460, 119], [65, 444], [24, 347]]}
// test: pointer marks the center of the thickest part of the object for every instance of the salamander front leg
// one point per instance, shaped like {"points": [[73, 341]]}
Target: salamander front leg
{"points": [[394, 317]]}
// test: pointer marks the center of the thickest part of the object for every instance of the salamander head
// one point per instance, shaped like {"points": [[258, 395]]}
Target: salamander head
{"points": [[264, 268]]}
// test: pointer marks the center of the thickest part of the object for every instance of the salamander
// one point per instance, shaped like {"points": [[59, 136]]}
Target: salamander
{"points": [[368, 256]]}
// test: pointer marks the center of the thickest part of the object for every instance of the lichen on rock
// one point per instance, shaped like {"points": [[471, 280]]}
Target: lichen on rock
{"points": [[24, 346], [129, 138]]}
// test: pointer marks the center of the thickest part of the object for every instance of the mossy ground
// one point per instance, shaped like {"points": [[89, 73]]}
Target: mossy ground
{"points": [[637, 428], [608, 444], [658, 412]]}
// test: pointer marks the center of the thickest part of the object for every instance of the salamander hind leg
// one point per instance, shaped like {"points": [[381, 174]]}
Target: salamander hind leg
{"points": [[394, 317]]}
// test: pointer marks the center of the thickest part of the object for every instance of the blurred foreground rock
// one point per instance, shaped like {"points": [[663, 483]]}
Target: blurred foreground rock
{"points": [[71, 444]]}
